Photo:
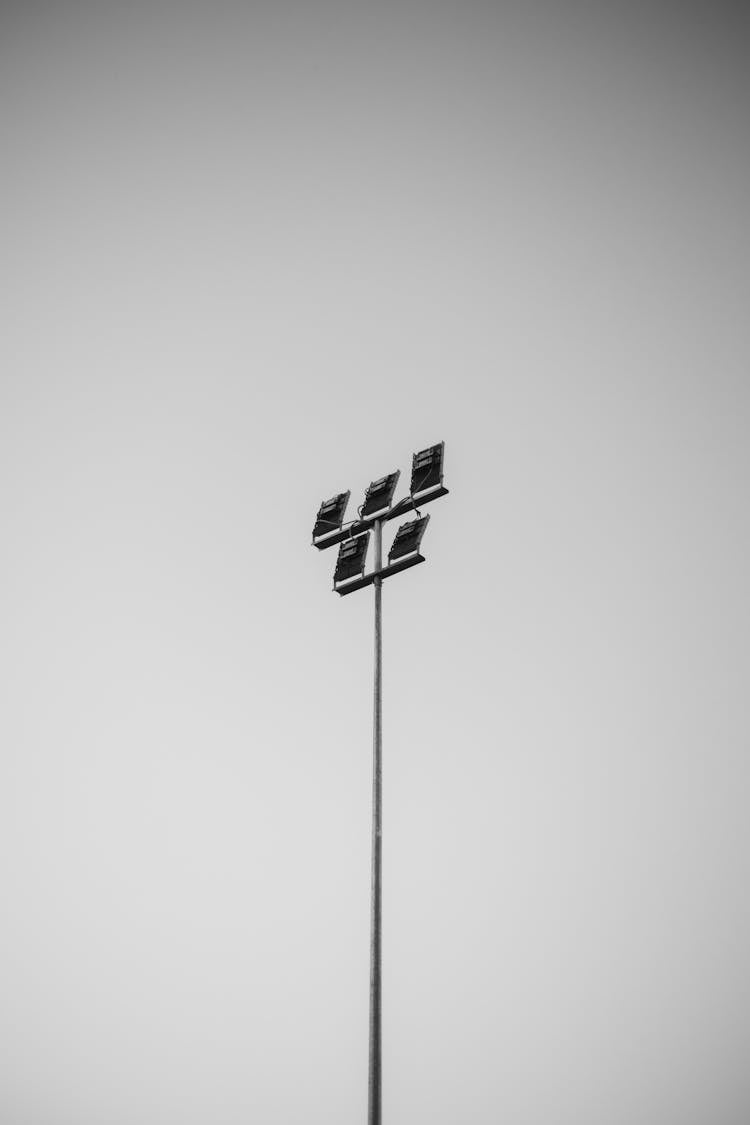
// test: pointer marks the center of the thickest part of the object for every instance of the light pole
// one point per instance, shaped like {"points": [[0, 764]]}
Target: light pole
{"points": [[353, 539], [374, 1083]]}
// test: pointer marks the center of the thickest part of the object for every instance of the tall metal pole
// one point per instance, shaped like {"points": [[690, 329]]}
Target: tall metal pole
{"points": [[375, 1074]]}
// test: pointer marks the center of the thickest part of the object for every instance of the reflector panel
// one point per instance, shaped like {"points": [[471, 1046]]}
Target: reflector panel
{"points": [[379, 495], [408, 538], [351, 561], [427, 469], [331, 515]]}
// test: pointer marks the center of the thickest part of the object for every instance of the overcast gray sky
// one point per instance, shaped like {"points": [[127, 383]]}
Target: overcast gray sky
{"points": [[257, 254]]}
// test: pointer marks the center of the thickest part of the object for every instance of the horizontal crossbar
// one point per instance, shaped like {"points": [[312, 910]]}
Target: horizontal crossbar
{"points": [[386, 572], [358, 527]]}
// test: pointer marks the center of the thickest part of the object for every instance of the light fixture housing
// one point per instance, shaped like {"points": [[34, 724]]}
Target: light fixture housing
{"points": [[407, 540], [379, 496], [330, 517], [427, 470], [350, 564]]}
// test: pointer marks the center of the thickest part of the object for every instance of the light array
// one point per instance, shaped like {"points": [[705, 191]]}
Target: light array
{"points": [[330, 516], [379, 496], [408, 538], [427, 470], [378, 507], [350, 564]]}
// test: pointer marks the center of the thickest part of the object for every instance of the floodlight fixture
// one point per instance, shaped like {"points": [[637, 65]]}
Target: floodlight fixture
{"points": [[379, 496], [407, 540], [427, 470], [330, 517], [350, 565]]}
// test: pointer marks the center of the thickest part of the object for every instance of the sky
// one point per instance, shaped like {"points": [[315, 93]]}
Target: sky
{"points": [[257, 254]]}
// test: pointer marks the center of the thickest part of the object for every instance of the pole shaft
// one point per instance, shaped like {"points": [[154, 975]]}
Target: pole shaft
{"points": [[375, 1074]]}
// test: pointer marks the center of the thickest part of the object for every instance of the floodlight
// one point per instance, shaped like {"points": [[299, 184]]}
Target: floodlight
{"points": [[350, 564], [330, 516], [427, 470], [407, 540], [379, 496]]}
